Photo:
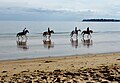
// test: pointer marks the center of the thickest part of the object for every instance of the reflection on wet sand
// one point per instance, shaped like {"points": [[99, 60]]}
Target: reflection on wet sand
{"points": [[48, 44], [87, 42], [22, 44], [74, 43]]}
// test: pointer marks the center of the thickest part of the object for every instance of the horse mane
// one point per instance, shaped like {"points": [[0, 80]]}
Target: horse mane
{"points": [[79, 30], [27, 31], [91, 31], [52, 31]]}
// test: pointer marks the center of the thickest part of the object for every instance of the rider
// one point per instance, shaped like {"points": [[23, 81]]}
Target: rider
{"points": [[48, 29], [24, 30], [76, 31], [87, 29]]}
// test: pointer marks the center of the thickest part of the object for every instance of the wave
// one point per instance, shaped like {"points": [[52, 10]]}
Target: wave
{"points": [[56, 33], [107, 32]]}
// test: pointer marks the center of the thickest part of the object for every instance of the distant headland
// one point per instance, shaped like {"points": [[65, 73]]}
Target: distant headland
{"points": [[100, 20]]}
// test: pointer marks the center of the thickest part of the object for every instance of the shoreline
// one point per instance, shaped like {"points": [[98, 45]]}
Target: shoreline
{"points": [[88, 54], [13, 69]]}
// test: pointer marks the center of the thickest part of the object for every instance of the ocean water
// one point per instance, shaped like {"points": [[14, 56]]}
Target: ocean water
{"points": [[105, 39]]}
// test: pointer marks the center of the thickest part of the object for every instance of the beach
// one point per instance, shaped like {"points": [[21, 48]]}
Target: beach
{"points": [[90, 68], [59, 41]]}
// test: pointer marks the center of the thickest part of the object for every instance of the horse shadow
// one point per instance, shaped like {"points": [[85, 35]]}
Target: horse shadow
{"points": [[87, 42], [22, 44], [74, 42], [48, 43]]}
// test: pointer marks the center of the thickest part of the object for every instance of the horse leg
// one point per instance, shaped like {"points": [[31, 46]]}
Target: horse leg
{"points": [[71, 35], [76, 36], [90, 36], [49, 37], [26, 37], [18, 38], [45, 37], [83, 36], [22, 37]]}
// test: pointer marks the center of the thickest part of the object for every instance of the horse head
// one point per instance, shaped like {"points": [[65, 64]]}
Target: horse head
{"points": [[79, 30], [91, 31], [26, 31], [52, 31]]}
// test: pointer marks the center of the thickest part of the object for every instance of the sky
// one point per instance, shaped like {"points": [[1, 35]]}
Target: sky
{"points": [[58, 10]]}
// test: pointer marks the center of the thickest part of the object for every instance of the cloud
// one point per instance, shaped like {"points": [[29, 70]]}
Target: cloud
{"points": [[39, 14], [51, 10]]}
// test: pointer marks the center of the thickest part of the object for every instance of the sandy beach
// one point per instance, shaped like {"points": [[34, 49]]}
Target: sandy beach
{"points": [[101, 68]]}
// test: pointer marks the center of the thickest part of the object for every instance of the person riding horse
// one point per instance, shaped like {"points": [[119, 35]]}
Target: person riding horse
{"points": [[75, 32], [21, 34], [48, 33], [88, 32]]}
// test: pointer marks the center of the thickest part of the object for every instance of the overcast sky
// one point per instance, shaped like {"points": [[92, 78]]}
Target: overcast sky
{"points": [[55, 10]]}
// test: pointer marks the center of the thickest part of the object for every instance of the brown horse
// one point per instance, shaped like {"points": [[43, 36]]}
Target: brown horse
{"points": [[48, 33]]}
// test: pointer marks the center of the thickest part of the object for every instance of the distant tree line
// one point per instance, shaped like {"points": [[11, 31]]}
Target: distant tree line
{"points": [[100, 20]]}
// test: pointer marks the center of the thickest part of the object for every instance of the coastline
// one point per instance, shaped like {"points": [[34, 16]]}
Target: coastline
{"points": [[13, 69]]}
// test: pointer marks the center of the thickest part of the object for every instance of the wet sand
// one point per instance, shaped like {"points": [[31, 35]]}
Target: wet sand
{"points": [[101, 68]]}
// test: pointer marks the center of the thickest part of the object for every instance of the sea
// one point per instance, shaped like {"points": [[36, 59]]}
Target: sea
{"points": [[105, 39]]}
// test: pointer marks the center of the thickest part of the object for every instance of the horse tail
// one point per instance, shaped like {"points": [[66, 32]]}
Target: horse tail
{"points": [[43, 34], [82, 33], [71, 34], [17, 35]]}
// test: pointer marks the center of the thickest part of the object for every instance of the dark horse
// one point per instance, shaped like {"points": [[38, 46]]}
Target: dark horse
{"points": [[87, 32], [48, 33], [21, 34], [74, 32]]}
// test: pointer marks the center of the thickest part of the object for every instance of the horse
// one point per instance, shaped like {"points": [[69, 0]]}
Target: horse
{"points": [[48, 33], [87, 32], [21, 34], [74, 32]]}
